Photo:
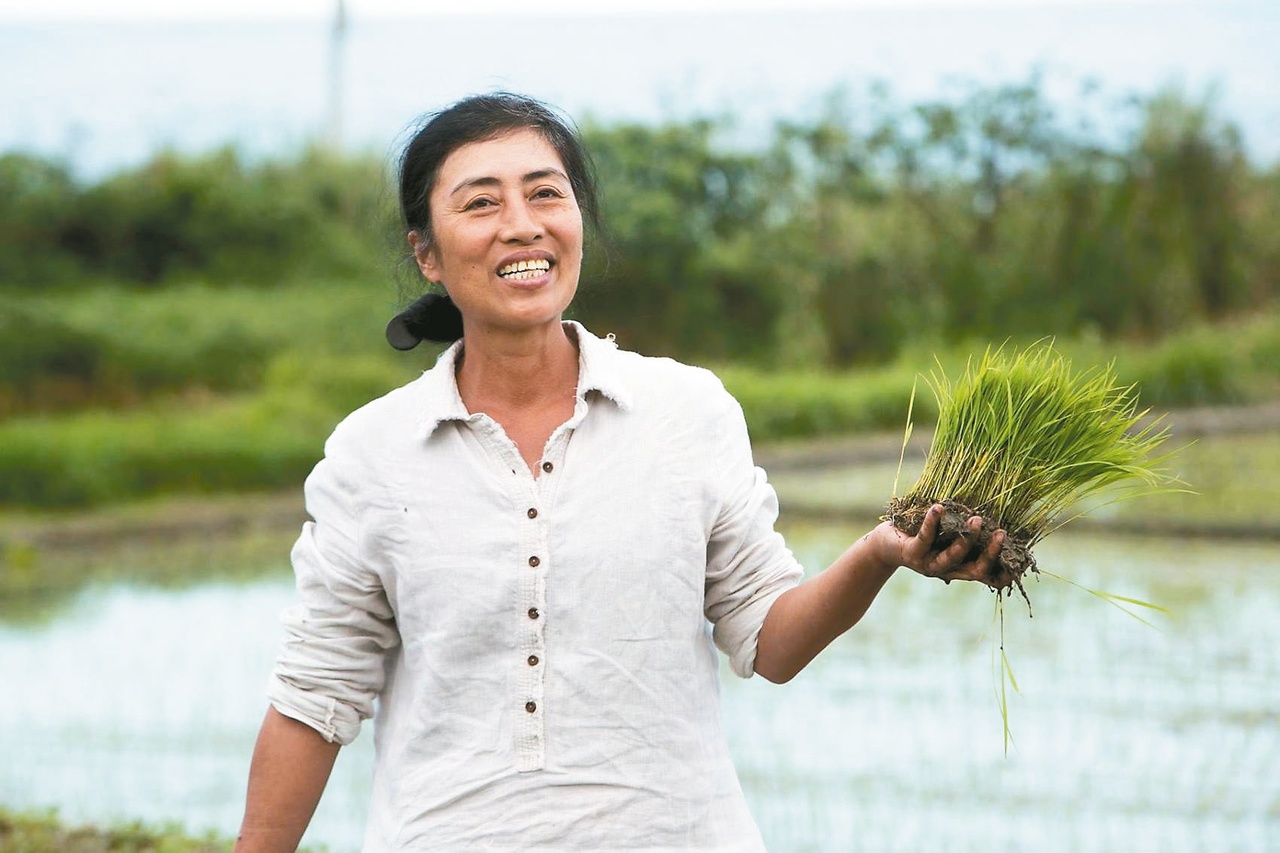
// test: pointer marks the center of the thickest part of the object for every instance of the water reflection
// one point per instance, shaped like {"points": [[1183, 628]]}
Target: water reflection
{"points": [[137, 702]]}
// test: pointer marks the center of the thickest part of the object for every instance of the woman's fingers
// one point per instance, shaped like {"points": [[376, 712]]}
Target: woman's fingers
{"points": [[988, 568], [993, 574], [959, 549], [950, 563], [950, 560], [929, 527]]}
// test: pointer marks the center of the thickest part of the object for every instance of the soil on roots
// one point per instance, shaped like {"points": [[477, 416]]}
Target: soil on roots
{"points": [[1012, 563]]}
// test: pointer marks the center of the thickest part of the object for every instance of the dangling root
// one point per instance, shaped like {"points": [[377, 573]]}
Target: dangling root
{"points": [[1014, 560]]}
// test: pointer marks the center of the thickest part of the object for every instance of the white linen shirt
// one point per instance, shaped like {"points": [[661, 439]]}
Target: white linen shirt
{"points": [[540, 649]]}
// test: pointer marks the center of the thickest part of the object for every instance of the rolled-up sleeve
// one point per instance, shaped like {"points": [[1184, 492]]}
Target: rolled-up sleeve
{"points": [[331, 664], [748, 563]]}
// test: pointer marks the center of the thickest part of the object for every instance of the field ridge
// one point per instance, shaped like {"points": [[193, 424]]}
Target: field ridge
{"points": [[226, 515]]}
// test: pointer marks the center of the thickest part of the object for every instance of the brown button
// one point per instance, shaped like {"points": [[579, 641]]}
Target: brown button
{"points": [[547, 466], [534, 561], [533, 660], [531, 706], [533, 613], [533, 512]]}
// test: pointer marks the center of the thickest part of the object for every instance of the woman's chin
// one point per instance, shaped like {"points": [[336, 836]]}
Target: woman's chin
{"points": [[527, 319]]}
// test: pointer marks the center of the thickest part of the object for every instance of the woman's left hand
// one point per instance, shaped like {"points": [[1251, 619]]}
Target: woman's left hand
{"points": [[916, 552]]}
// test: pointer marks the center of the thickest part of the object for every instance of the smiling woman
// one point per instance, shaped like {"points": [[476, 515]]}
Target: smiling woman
{"points": [[506, 235], [557, 191], [527, 558]]}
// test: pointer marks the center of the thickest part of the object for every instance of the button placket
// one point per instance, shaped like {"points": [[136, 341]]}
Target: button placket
{"points": [[532, 584], [538, 564], [530, 496]]}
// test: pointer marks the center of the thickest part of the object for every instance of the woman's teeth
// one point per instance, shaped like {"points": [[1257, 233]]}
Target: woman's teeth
{"points": [[521, 270]]}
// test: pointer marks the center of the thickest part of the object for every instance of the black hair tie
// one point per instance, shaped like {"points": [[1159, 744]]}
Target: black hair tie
{"points": [[432, 317]]}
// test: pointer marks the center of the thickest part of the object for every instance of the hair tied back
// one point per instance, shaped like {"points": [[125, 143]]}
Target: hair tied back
{"points": [[432, 317]]}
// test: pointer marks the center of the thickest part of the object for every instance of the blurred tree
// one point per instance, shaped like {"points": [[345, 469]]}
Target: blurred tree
{"points": [[684, 272], [839, 306], [1190, 167], [1152, 235], [37, 197], [970, 168], [212, 216], [868, 227]]}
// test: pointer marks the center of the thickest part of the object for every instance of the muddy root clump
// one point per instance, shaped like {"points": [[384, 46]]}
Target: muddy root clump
{"points": [[1013, 562]]}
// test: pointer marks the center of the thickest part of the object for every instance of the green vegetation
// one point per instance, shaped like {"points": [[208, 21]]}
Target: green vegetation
{"points": [[195, 326], [1236, 487], [215, 216], [199, 323], [873, 227], [117, 347], [835, 241], [1021, 439], [190, 444], [270, 436], [42, 832], [1026, 441]]}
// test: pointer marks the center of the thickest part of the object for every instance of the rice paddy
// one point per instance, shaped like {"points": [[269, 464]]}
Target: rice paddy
{"points": [[1124, 737]]}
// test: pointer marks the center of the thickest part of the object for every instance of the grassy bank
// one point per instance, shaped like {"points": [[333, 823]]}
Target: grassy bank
{"points": [[43, 832], [48, 556], [118, 348], [202, 441]]}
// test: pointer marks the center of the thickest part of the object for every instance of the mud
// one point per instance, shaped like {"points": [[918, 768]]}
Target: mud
{"points": [[1013, 562]]}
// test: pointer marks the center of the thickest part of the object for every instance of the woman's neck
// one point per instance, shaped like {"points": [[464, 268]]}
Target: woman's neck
{"points": [[501, 371]]}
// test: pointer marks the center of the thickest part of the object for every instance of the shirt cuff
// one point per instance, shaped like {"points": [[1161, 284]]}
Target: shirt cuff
{"points": [[336, 723]]}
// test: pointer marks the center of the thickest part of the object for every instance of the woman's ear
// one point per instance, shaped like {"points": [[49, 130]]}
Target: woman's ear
{"points": [[425, 256]]}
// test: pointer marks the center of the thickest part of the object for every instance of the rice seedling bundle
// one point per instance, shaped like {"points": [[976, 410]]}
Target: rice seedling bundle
{"points": [[1021, 439]]}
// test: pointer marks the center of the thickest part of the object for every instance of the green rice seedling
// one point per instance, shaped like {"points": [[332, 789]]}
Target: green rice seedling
{"points": [[1023, 440]]}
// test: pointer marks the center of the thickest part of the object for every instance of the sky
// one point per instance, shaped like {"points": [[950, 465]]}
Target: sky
{"points": [[36, 10], [159, 77]]}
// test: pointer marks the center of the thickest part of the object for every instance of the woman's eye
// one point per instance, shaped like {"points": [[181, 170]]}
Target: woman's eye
{"points": [[479, 204], [547, 192]]}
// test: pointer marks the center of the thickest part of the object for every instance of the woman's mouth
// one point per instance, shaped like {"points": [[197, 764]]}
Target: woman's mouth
{"points": [[523, 270]]}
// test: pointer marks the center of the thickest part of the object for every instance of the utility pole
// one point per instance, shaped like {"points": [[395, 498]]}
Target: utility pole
{"points": [[337, 38]]}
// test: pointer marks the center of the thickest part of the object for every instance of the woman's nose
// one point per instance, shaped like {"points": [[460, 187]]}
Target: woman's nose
{"points": [[520, 224]]}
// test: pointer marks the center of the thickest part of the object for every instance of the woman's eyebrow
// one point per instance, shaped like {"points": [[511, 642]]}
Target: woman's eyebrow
{"points": [[535, 175], [544, 173]]}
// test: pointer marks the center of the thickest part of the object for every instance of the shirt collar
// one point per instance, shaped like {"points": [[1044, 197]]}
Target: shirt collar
{"points": [[598, 370]]}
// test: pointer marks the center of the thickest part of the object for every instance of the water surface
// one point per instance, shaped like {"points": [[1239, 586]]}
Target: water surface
{"points": [[136, 702]]}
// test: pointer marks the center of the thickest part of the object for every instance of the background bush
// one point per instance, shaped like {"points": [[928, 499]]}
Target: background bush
{"points": [[199, 323], [271, 438], [836, 241], [215, 215]]}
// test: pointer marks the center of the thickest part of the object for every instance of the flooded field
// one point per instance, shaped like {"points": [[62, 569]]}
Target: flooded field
{"points": [[135, 702]]}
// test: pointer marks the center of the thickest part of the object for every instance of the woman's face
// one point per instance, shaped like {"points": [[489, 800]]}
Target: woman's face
{"points": [[508, 233]]}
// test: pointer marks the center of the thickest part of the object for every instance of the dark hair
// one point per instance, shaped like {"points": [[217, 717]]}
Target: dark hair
{"points": [[475, 119]]}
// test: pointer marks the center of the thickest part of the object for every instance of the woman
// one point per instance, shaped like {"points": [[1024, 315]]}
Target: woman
{"points": [[528, 555]]}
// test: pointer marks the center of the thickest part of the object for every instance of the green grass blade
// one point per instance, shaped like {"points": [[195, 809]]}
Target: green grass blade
{"points": [[1013, 682], [1115, 600], [906, 436], [1003, 680]]}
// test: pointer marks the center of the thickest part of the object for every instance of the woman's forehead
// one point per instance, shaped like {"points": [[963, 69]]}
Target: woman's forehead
{"points": [[509, 157]]}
